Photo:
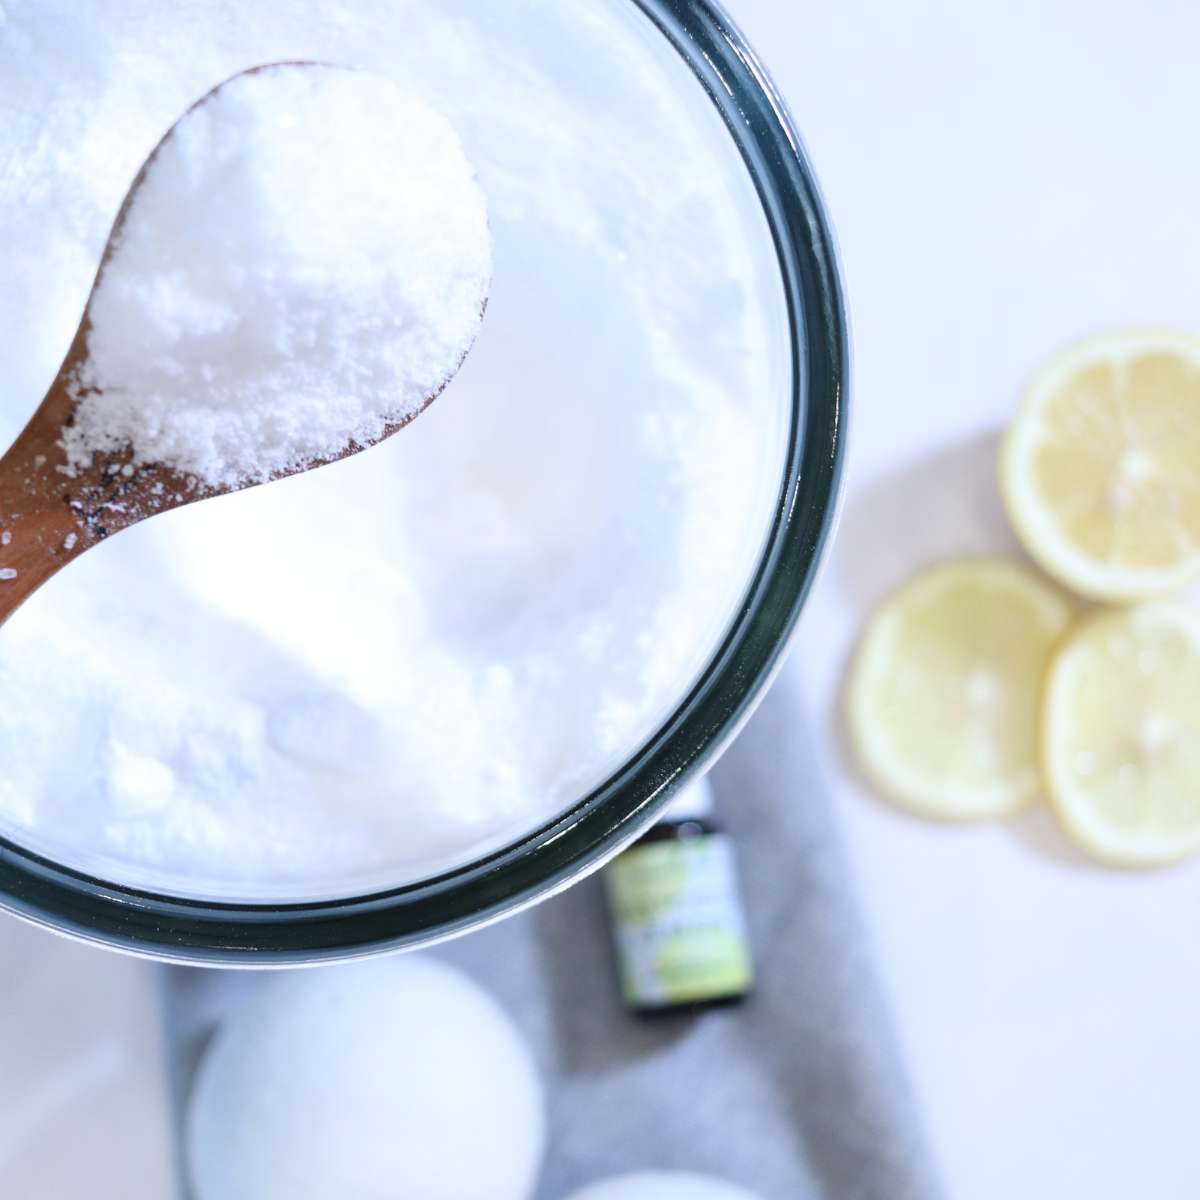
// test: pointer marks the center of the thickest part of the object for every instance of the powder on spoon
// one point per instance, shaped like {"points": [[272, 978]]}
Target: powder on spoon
{"points": [[304, 264]]}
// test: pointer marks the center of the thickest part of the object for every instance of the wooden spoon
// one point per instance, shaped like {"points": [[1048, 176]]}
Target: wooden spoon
{"points": [[49, 517]]}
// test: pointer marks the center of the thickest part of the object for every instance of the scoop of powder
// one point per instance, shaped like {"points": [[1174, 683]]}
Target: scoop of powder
{"points": [[304, 263]]}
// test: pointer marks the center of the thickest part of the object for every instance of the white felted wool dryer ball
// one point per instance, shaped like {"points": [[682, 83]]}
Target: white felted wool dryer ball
{"points": [[396, 1079], [663, 1185]]}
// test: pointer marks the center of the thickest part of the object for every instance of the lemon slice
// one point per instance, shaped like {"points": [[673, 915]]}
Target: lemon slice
{"points": [[1100, 470], [1121, 734], [942, 698]]}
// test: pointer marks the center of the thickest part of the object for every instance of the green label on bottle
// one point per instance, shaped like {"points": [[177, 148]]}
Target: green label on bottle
{"points": [[680, 934]]}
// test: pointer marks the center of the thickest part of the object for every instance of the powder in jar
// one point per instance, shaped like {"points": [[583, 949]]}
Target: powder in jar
{"points": [[304, 263], [361, 674]]}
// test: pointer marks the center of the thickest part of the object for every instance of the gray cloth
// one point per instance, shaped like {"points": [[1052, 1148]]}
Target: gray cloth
{"points": [[798, 1093]]}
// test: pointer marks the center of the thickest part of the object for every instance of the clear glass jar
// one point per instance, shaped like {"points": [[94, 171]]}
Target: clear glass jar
{"points": [[810, 347]]}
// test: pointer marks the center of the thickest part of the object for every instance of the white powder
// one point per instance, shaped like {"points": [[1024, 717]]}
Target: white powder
{"points": [[304, 264], [359, 674]]}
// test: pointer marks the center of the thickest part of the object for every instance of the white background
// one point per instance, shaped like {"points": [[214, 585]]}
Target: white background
{"points": [[1003, 178]]}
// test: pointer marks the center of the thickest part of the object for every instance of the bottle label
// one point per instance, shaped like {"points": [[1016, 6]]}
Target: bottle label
{"points": [[680, 935]]}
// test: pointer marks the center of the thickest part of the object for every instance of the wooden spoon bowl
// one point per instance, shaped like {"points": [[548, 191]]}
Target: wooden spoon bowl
{"points": [[51, 513]]}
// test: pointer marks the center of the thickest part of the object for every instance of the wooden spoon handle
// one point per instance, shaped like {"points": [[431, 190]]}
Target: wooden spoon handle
{"points": [[39, 530]]}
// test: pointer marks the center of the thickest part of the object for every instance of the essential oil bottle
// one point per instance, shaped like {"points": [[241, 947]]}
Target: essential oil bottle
{"points": [[678, 926]]}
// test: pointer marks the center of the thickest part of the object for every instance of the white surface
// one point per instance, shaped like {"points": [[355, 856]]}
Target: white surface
{"points": [[83, 1097], [1003, 178]]}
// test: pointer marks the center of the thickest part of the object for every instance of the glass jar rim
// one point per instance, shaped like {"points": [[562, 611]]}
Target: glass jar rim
{"points": [[224, 933]]}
